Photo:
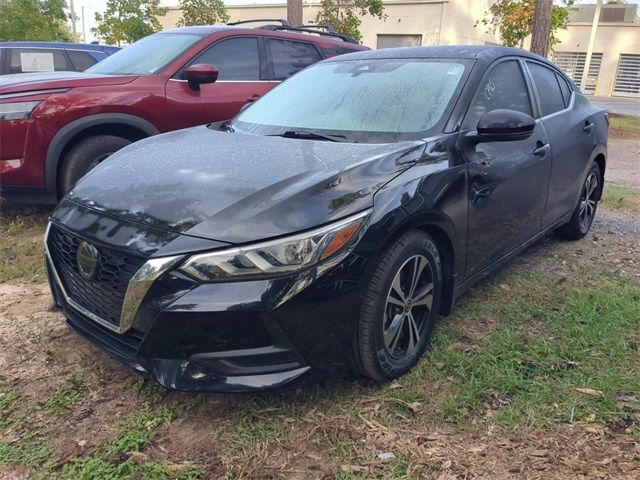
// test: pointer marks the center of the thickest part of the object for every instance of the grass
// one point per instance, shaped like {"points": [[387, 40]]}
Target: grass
{"points": [[624, 125], [621, 198], [21, 243], [66, 395]]}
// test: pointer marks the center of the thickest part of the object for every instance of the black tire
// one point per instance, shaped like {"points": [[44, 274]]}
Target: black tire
{"points": [[374, 352], [585, 211], [85, 155]]}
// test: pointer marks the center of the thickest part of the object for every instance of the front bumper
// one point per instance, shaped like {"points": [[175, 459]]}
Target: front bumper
{"points": [[230, 337]]}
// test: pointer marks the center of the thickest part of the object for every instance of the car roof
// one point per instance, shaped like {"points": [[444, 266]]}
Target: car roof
{"points": [[485, 53], [284, 32], [60, 45]]}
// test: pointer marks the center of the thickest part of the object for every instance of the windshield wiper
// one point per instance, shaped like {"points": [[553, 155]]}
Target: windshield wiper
{"points": [[226, 126], [309, 135]]}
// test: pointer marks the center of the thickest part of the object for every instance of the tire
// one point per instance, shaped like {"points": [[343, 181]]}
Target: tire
{"points": [[585, 211], [378, 352], [84, 156]]}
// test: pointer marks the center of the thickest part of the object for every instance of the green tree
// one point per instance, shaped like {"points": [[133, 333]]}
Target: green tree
{"points": [[128, 20], [34, 20], [202, 12], [513, 20], [344, 15]]}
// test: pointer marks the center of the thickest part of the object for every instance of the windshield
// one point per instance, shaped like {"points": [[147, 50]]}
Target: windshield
{"points": [[146, 56], [379, 100]]}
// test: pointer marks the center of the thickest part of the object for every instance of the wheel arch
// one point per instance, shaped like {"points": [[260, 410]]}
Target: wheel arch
{"points": [[124, 125], [600, 159], [441, 229]]}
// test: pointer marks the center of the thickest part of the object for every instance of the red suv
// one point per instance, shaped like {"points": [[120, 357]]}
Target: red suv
{"points": [[55, 127]]}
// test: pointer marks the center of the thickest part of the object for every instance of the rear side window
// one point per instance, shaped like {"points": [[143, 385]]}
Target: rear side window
{"points": [[289, 57], [235, 58], [38, 60], [81, 60], [503, 88], [551, 98], [566, 90]]}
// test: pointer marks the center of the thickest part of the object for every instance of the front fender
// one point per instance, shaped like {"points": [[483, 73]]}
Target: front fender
{"points": [[69, 131]]}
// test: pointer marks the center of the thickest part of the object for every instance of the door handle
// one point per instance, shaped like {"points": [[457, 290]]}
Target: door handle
{"points": [[588, 127], [542, 150], [253, 98]]}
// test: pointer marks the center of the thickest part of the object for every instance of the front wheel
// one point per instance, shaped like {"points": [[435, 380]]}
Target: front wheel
{"points": [[585, 210], [399, 308], [85, 155]]}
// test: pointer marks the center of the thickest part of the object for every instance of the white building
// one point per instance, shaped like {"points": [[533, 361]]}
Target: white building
{"points": [[614, 67]]}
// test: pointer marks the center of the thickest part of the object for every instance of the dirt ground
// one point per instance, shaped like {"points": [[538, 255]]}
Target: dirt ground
{"points": [[37, 350], [624, 169]]}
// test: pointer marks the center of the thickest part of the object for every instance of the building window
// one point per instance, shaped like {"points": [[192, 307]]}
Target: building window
{"points": [[572, 63], [628, 76], [393, 41]]}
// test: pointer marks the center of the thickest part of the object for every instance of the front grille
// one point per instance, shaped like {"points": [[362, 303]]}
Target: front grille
{"points": [[103, 295]]}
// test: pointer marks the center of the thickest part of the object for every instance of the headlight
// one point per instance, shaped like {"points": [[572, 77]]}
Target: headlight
{"points": [[17, 110], [278, 257]]}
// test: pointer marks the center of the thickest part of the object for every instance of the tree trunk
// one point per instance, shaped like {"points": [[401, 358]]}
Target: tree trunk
{"points": [[294, 12], [541, 27]]}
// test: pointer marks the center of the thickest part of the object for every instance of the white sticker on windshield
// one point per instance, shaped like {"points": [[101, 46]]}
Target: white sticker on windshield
{"points": [[36, 62]]}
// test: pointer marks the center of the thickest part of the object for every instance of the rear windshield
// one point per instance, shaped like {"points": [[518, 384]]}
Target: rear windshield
{"points": [[362, 100], [146, 56]]}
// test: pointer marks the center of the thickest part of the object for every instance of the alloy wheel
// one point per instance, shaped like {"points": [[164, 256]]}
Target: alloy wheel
{"points": [[588, 200], [408, 306]]}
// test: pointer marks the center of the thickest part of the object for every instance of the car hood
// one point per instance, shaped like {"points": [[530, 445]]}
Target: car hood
{"points": [[238, 188], [26, 82]]}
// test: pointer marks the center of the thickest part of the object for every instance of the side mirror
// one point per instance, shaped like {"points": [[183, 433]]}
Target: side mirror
{"points": [[200, 73], [504, 126]]}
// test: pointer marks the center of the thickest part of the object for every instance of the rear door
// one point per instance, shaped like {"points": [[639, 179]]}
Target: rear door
{"points": [[507, 181], [287, 57], [572, 137], [242, 79]]}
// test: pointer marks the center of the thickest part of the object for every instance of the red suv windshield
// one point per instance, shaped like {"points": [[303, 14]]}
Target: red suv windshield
{"points": [[146, 56]]}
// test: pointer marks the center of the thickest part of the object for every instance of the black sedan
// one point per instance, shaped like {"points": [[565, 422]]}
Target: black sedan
{"points": [[342, 212]]}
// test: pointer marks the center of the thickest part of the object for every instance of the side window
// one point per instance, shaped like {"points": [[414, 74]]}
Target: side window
{"points": [[289, 57], [235, 58], [81, 60], [551, 99], [38, 60], [503, 88], [566, 89]]}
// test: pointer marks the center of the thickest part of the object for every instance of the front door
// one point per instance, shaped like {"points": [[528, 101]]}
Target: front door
{"points": [[242, 79], [507, 181]]}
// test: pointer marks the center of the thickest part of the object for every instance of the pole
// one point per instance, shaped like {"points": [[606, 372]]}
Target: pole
{"points": [[592, 41], [84, 30], [73, 21], [541, 27]]}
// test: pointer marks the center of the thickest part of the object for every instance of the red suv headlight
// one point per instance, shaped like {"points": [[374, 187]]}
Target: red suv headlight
{"points": [[17, 110]]}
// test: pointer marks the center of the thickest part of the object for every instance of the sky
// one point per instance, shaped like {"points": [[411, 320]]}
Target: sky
{"points": [[93, 6]]}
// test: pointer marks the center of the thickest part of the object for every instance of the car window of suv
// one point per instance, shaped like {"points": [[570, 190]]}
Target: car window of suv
{"points": [[235, 58], [503, 88], [551, 99], [566, 89], [38, 60], [289, 57], [81, 60]]}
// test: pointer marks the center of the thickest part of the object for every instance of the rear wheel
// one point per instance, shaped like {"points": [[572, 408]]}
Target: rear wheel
{"points": [[585, 211], [85, 155], [399, 308]]}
